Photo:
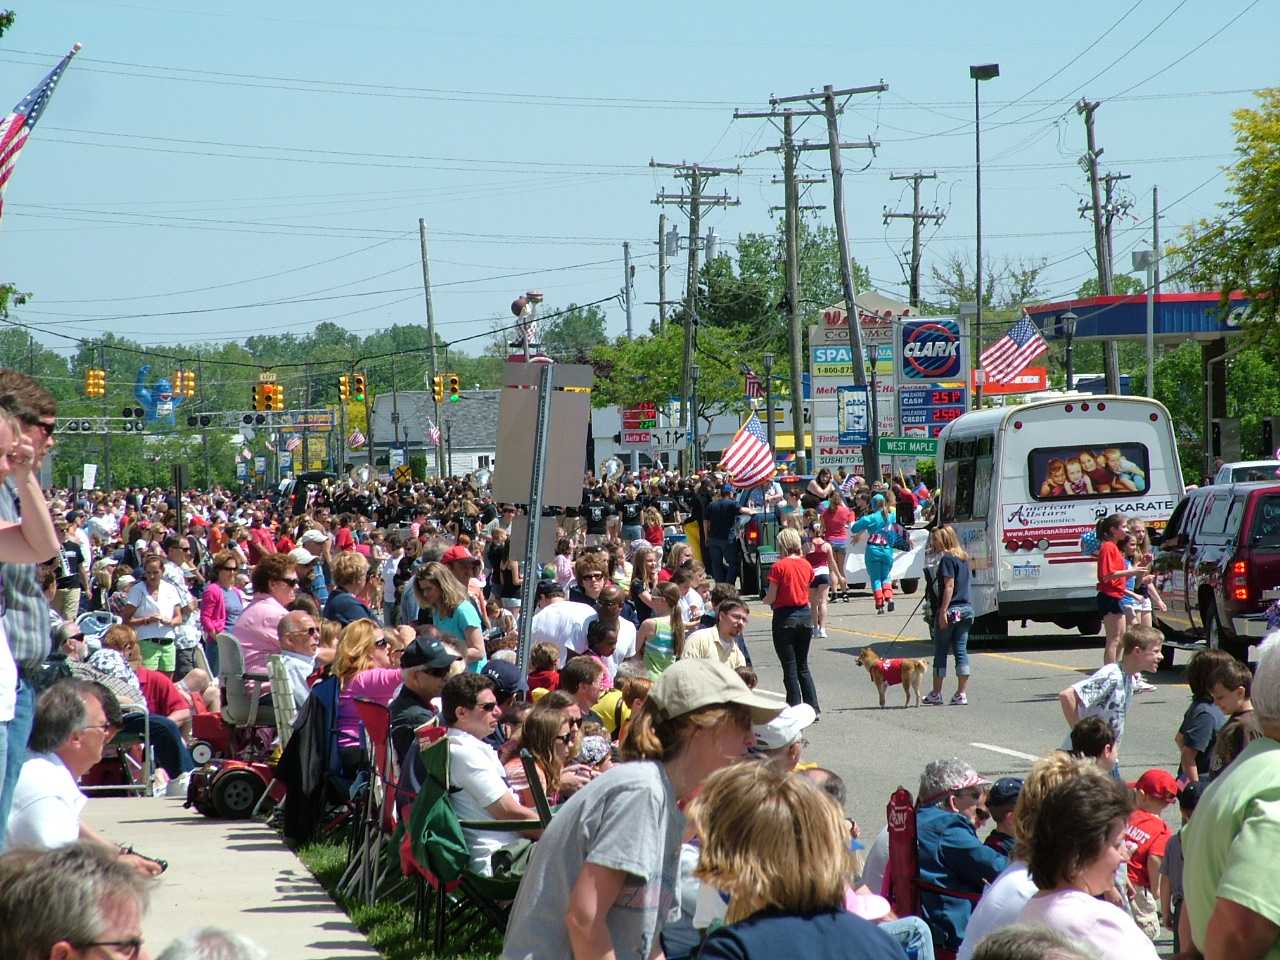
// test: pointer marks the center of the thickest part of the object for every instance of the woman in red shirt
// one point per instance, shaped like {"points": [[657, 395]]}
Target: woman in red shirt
{"points": [[1113, 531], [788, 594], [835, 530]]}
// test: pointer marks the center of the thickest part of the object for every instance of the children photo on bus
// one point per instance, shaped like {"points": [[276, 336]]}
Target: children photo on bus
{"points": [[1072, 472]]}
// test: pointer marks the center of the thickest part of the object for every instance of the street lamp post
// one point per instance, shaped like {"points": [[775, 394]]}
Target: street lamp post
{"points": [[985, 71], [1069, 321], [694, 372], [1146, 260], [768, 399]]}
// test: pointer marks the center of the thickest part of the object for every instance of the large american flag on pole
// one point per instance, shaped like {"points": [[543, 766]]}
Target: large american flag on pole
{"points": [[749, 459], [17, 125], [752, 386], [1005, 358], [293, 443], [356, 440], [433, 432]]}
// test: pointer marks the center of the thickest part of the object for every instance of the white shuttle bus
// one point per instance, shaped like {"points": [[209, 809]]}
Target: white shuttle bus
{"points": [[1020, 486]]}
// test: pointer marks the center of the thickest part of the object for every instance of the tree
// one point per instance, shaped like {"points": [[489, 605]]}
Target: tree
{"points": [[1122, 285], [571, 333], [1006, 288], [1240, 248]]}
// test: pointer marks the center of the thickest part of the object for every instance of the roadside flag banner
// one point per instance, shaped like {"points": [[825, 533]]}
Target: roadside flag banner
{"points": [[434, 433], [356, 440], [748, 458], [1006, 358], [753, 388], [293, 443], [18, 125]]}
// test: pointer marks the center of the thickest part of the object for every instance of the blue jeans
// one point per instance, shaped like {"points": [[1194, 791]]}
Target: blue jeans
{"points": [[167, 746], [722, 560], [792, 634], [913, 935], [954, 639], [14, 753]]}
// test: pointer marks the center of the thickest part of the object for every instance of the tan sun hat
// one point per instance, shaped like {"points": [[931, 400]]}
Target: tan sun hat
{"points": [[689, 685]]}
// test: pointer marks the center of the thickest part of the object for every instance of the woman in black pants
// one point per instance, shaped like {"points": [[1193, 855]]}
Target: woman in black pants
{"points": [[788, 594]]}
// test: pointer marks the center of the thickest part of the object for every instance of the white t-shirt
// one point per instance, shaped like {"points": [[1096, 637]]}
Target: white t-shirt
{"points": [[564, 623], [1095, 923], [474, 768], [46, 805], [626, 648], [8, 680], [144, 606], [1000, 905]]}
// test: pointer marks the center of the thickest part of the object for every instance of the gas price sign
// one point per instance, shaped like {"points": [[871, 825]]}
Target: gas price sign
{"points": [[926, 408]]}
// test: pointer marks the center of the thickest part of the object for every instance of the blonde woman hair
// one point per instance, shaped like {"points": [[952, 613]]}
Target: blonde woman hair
{"points": [[355, 649], [670, 592], [1046, 773], [789, 544], [349, 570], [452, 593], [946, 541], [651, 517], [755, 825], [124, 639]]}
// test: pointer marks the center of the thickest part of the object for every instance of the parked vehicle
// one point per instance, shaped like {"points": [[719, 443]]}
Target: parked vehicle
{"points": [[1022, 484], [1246, 470], [758, 536], [1218, 567]]}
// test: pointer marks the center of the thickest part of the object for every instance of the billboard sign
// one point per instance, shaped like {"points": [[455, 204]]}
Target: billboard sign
{"points": [[930, 350]]}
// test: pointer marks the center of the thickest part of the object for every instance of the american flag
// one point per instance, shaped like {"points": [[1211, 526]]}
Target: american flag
{"points": [[293, 443], [356, 440], [1005, 358], [434, 433], [753, 388], [749, 459], [18, 124]]}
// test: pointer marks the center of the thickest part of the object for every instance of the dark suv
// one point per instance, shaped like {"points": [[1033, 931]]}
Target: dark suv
{"points": [[1217, 567], [758, 536]]}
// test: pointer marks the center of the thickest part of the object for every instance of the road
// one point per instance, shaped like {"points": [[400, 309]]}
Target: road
{"points": [[1012, 717]]}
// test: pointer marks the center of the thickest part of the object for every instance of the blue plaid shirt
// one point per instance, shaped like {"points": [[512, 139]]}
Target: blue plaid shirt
{"points": [[26, 612]]}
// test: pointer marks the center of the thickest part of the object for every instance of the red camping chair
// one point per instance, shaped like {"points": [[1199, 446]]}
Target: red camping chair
{"points": [[902, 883]]}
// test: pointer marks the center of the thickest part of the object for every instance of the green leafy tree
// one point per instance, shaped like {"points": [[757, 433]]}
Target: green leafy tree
{"points": [[572, 333], [1122, 284], [1240, 248], [1007, 287]]}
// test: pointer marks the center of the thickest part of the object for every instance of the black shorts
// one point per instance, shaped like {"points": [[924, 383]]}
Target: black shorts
{"points": [[1109, 604], [821, 580]]}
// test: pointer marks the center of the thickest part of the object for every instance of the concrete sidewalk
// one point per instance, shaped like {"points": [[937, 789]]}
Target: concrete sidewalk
{"points": [[233, 874]]}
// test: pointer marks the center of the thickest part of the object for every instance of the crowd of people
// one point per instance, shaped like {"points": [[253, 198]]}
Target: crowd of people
{"points": [[637, 707]]}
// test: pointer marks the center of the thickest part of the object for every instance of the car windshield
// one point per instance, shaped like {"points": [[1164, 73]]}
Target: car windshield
{"points": [[1257, 471]]}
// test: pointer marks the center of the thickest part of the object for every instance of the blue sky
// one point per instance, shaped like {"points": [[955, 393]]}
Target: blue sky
{"points": [[215, 160]]}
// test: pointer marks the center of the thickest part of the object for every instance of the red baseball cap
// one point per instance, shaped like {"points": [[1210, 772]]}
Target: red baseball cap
{"points": [[1158, 783], [458, 552]]}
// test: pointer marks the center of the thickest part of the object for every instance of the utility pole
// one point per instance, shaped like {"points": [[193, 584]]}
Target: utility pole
{"points": [[824, 105], [204, 431], [662, 270], [1102, 217], [791, 229], [306, 418], [695, 175], [917, 216], [627, 284], [106, 434], [1155, 234], [432, 370]]}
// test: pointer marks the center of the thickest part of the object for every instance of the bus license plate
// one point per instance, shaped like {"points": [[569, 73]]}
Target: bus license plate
{"points": [[768, 556], [1026, 572]]}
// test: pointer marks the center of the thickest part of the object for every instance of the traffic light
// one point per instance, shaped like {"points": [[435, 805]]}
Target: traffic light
{"points": [[95, 382], [344, 389], [257, 398], [133, 422], [178, 384], [272, 397], [437, 388], [357, 387], [188, 383], [455, 387]]}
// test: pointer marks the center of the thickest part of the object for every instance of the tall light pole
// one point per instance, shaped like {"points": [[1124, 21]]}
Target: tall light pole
{"points": [[695, 371], [768, 402], [978, 73], [1069, 321]]}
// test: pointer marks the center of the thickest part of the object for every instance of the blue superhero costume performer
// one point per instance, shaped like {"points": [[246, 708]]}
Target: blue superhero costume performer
{"points": [[879, 555], [160, 402]]}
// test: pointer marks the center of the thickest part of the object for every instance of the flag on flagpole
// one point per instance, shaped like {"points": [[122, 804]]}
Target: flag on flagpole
{"points": [[18, 124], [1006, 358], [433, 432], [753, 387], [356, 440], [269, 445], [293, 443], [748, 458]]}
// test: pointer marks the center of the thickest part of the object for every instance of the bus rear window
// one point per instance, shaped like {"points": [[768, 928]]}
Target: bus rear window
{"points": [[1117, 470]]}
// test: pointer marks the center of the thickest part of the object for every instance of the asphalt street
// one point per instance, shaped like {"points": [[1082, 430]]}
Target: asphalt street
{"points": [[1012, 716]]}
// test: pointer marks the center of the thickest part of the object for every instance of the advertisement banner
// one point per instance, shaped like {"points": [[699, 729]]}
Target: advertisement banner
{"points": [[1029, 380], [853, 416]]}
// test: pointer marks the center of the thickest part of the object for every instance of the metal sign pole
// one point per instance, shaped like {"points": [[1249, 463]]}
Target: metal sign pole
{"points": [[528, 591]]}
